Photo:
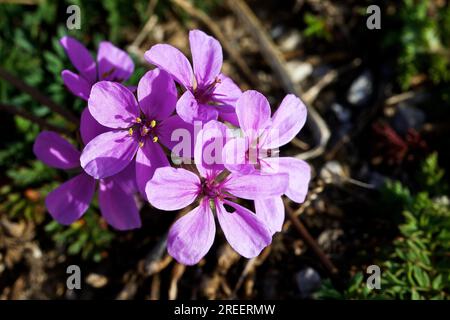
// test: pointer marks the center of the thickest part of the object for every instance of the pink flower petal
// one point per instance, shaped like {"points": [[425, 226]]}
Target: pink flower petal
{"points": [[234, 155], [175, 130], [191, 236], [113, 105], [190, 111], [208, 149], [69, 201], [171, 60], [157, 94], [89, 127], [149, 158], [76, 84], [114, 64], [172, 189], [108, 153], [271, 212], [299, 175], [127, 178], [225, 95], [286, 122], [206, 57], [244, 231], [253, 112], [80, 58], [255, 186], [118, 207], [56, 152]]}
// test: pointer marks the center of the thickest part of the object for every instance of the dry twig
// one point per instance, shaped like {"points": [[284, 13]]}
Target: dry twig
{"points": [[38, 96], [276, 61], [39, 121], [216, 30]]}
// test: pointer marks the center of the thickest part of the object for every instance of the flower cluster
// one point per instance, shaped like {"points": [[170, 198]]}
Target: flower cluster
{"points": [[203, 149]]}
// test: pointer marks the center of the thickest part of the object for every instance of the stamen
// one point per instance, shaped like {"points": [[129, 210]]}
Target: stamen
{"points": [[108, 73], [153, 123], [130, 132], [141, 144], [155, 139], [138, 120], [144, 131]]}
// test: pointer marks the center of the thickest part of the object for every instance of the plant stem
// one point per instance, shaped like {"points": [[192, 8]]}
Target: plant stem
{"points": [[39, 121], [38, 96]]}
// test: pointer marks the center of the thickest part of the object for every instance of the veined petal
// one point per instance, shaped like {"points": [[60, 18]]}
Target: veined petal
{"points": [[191, 236], [244, 231], [89, 127], [299, 175], [56, 152], [286, 122], [230, 117], [255, 186], [113, 105], [190, 110], [171, 60], [118, 207], [149, 158], [108, 153], [253, 112], [76, 84], [207, 57], [208, 149], [225, 95], [80, 58], [114, 64], [127, 179], [172, 189], [234, 155], [175, 130], [271, 212], [157, 94], [69, 201]]}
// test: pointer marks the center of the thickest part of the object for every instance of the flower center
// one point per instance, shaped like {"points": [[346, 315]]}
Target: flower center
{"points": [[144, 130], [211, 189], [204, 95]]}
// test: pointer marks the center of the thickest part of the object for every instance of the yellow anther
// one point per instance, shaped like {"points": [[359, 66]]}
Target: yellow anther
{"points": [[138, 120], [153, 123], [130, 131], [141, 144], [155, 139]]}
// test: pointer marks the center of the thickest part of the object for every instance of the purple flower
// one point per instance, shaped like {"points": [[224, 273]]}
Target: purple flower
{"points": [[209, 94], [191, 237], [257, 150], [113, 64], [136, 128], [69, 201]]}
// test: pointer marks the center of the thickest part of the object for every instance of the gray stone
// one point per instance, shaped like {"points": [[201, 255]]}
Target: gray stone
{"points": [[361, 89], [408, 116], [308, 281], [342, 114], [298, 71]]}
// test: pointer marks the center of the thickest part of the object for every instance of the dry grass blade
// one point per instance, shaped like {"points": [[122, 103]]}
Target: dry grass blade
{"points": [[298, 225], [38, 96], [40, 122], [177, 273], [250, 268], [216, 30], [276, 61]]}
